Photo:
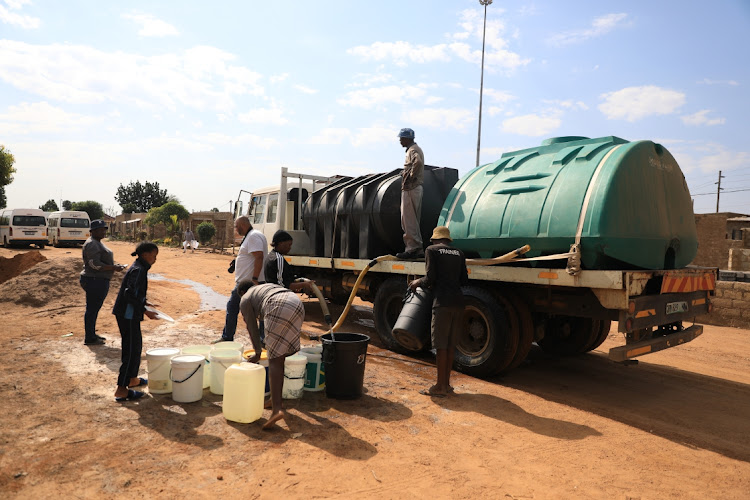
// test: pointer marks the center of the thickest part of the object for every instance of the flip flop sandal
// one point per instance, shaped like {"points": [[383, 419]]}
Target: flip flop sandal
{"points": [[428, 392], [141, 382], [132, 396]]}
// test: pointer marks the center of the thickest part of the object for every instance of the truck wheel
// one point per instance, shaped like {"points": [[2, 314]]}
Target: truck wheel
{"points": [[602, 334], [55, 243], [387, 305], [568, 335], [486, 344], [525, 333], [5, 242]]}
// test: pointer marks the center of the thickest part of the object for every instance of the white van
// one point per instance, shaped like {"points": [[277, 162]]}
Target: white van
{"points": [[23, 226], [68, 228]]}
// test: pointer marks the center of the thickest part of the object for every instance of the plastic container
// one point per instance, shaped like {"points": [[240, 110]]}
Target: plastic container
{"points": [[243, 392], [315, 376], [220, 360], [203, 350], [187, 377], [294, 376], [157, 366], [262, 362], [229, 344], [628, 201], [344, 361], [412, 328]]}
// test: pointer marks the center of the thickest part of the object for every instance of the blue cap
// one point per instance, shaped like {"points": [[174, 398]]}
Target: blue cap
{"points": [[97, 224], [407, 133]]}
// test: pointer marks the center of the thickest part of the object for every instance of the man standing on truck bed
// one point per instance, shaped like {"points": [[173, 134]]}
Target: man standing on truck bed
{"points": [[411, 196], [248, 266], [445, 272]]}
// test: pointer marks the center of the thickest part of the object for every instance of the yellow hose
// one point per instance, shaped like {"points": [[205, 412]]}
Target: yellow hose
{"points": [[321, 299], [499, 260], [373, 262]]}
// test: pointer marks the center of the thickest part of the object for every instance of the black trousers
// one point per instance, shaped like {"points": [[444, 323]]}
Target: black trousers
{"points": [[132, 345]]}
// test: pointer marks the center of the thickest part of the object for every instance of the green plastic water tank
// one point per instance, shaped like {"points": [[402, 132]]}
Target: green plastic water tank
{"points": [[627, 202]]}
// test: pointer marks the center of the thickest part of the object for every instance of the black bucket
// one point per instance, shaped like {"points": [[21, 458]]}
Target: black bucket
{"points": [[412, 328], [344, 360]]}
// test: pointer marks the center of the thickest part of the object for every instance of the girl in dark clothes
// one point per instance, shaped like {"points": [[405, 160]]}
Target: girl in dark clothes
{"points": [[129, 309]]}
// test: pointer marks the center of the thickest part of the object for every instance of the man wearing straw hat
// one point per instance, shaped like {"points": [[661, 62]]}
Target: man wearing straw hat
{"points": [[445, 273]]}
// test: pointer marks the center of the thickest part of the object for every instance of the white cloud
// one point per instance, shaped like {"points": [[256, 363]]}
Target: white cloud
{"points": [[331, 136], [567, 104], [374, 135], [376, 96], [701, 118], [272, 115], [599, 26], [707, 81], [708, 157], [368, 79], [440, 118], [201, 77], [497, 56], [23, 21], [278, 78], [634, 103], [305, 90], [497, 95], [531, 125], [237, 140], [41, 117], [151, 26]]}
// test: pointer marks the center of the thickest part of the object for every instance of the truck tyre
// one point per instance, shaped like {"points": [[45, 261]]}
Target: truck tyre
{"points": [[568, 335], [525, 333], [387, 305], [602, 335], [486, 344]]}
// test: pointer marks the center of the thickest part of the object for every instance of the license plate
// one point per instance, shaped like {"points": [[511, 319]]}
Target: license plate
{"points": [[677, 307], [75, 232], [29, 233]]}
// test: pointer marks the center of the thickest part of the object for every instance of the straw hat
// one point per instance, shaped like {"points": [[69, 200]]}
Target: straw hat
{"points": [[441, 233]]}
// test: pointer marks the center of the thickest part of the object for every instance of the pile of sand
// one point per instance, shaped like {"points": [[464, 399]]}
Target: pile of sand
{"points": [[10, 268], [48, 281]]}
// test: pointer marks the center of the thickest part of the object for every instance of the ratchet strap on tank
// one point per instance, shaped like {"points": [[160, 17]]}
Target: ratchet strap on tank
{"points": [[574, 260]]}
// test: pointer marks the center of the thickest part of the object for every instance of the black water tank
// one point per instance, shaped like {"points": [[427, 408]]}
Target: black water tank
{"points": [[360, 218]]}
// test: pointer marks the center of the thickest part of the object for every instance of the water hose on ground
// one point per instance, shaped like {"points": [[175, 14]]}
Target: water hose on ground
{"points": [[362, 273], [321, 299]]}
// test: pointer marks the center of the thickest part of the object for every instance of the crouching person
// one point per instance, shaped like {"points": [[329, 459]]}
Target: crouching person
{"points": [[283, 313]]}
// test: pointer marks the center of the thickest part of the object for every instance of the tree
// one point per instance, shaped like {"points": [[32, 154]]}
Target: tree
{"points": [[49, 206], [137, 197], [214, 209], [206, 231], [93, 208], [67, 204], [164, 214], [6, 173]]}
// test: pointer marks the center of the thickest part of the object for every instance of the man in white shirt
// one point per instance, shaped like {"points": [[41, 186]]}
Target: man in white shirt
{"points": [[248, 266]]}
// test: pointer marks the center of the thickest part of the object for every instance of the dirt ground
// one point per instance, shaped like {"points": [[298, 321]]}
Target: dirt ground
{"points": [[676, 425]]}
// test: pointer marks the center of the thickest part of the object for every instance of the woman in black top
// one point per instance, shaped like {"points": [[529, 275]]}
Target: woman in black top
{"points": [[277, 270], [129, 309]]}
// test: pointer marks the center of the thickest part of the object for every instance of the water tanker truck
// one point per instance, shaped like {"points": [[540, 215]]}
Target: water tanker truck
{"points": [[610, 226]]}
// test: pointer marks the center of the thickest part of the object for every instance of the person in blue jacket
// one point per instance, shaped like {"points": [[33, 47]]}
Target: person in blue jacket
{"points": [[129, 309]]}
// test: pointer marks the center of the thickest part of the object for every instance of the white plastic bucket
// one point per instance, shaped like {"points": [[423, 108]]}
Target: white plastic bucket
{"points": [[228, 344], [187, 377], [243, 392], [220, 360], [203, 350], [157, 366], [294, 376], [315, 377]]}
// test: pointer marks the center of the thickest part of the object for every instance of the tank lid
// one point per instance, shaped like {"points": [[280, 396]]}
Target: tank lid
{"points": [[566, 138]]}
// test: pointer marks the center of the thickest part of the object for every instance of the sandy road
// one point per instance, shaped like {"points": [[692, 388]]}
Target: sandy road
{"points": [[677, 425]]}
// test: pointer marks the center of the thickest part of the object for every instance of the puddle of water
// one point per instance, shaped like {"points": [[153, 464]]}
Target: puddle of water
{"points": [[210, 300]]}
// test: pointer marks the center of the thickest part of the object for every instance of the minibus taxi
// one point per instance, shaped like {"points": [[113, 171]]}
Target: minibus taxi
{"points": [[23, 226], [68, 228]]}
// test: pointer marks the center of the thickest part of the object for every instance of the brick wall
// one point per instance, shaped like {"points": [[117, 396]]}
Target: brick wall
{"points": [[713, 244], [731, 305]]}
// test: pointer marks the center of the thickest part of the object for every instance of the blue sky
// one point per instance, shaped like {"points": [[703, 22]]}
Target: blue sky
{"points": [[207, 98]]}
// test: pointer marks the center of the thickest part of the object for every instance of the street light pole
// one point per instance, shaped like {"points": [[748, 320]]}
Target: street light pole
{"points": [[481, 81]]}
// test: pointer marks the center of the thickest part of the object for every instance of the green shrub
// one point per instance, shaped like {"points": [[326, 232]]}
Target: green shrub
{"points": [[206, 231]]}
